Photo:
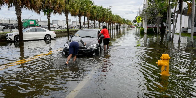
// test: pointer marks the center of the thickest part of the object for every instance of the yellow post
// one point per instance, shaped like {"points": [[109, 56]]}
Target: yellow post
{"points": [[164, 63]]}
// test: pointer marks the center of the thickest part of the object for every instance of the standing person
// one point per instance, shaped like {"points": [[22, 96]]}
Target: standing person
{"points": [[106, 38]]}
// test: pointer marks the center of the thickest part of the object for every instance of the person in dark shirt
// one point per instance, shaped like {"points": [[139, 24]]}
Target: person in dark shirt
{"points": [[73, 48]]}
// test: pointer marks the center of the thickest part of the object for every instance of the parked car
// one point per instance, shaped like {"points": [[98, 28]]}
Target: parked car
{"points": [[32, 33], [89, 37]]}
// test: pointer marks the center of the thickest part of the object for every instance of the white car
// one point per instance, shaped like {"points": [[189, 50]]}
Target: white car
{"points": [[32, 33]]}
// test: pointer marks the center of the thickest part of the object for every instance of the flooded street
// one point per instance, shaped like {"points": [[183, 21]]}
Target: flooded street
{"points": [[127, 70]]}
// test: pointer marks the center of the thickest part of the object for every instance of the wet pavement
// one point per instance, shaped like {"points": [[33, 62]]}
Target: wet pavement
{"points": [[127, 70]]}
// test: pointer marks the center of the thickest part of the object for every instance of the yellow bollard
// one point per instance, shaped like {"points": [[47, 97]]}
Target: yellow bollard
{"points": [[164, 63]]}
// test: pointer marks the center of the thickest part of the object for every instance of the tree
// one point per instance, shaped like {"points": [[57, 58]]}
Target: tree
{"points": [[100, 12], [66, 11], [74, 10], [49, 6], [87, 8], [156, 13], [93, 13], [174, 18]]}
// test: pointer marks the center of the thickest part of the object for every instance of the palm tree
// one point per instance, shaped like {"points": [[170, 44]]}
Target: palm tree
{"points": [[87, 8], [74, 7], [78, 9], [67, 11], [100, 12], [93, 13], [55, 6]]}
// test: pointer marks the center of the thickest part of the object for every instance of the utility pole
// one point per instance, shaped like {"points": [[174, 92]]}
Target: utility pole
{"points": [[145, 19]]}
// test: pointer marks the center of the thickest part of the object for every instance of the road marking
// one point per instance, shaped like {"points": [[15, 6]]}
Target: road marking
{"points": [[2, 67], [74, 92]]}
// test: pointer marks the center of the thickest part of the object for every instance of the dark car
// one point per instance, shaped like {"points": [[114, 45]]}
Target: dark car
{"points": [[87, 36]]}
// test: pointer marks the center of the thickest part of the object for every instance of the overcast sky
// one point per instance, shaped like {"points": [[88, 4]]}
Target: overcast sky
{"points": [[127, 9]]}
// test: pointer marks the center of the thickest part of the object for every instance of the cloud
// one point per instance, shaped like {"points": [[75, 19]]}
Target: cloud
{"points": [[125, 8]]}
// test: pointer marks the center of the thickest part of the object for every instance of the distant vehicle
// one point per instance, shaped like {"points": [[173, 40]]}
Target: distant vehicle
{"points": [[32, 33], [29, 23], [88, 36]]}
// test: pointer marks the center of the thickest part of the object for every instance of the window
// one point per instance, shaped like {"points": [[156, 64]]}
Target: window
{"points": [[87, 33], [32, 30], [40, 30]]}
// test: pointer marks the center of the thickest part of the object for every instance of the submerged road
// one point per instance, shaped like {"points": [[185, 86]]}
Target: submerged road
{"points": [[127, 70]]}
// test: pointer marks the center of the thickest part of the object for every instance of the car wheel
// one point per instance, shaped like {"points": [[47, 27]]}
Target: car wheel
{"points": [[16, 38], [47, 37]]}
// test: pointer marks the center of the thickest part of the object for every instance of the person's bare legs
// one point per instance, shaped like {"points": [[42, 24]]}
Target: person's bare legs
{"points": [[68, 58], [74, 58], [105, 47]]}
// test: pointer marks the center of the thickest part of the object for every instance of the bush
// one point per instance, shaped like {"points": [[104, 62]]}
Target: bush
{"points": [[142, 31], [149, 30]]}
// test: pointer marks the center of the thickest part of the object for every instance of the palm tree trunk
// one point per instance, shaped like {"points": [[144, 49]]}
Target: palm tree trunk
{"points": [[174, 22], [169, 27], [167, 24], [99, 24], [180, 21], [18, 13], [193, 19], [84, 21], [94, 24], [48, 17], [80, 22], [112, 26], [88, 22], [66, 15]]}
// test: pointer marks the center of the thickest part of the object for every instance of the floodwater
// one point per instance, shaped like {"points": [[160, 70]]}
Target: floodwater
{"points": [[127, 70]]}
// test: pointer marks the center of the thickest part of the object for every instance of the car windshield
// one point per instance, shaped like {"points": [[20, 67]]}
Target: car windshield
{"points": [[87, 33]]}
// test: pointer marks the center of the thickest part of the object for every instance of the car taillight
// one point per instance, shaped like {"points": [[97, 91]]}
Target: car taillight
{"points": [[54, 32]]}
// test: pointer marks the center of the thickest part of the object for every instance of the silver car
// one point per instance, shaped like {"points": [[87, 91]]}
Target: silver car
{"points": [[32, 33]]}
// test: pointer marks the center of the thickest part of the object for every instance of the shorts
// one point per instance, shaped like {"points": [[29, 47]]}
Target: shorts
{"points": [[73, 48], [106, 41]]}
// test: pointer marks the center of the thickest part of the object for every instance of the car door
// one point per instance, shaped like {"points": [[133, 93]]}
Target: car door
{"points": [[40, 33], [29, 34]]}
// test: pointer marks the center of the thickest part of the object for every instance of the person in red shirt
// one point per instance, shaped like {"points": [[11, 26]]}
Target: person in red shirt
{"points": [[106, 38]]}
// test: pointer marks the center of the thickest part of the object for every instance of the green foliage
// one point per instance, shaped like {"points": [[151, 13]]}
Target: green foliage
{"points": [[141, 30], [150, 31], [187, 34]]}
